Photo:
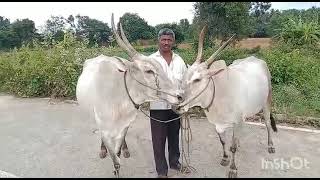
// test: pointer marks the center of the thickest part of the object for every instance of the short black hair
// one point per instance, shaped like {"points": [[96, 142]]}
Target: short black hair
{"points": [[166, 31]]}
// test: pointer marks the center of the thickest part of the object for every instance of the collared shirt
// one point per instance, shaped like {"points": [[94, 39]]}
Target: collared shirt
{"points": [[175, 71]]}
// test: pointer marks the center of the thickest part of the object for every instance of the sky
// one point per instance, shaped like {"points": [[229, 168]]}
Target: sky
{"points": [[153, 12]]}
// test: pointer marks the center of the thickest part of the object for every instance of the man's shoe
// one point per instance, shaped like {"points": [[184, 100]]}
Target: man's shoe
{"points": [[179, 167], [176, 167], [162, 176]]}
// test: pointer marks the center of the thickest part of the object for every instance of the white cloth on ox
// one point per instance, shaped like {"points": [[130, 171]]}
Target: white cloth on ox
{"points": [[174, 70]]}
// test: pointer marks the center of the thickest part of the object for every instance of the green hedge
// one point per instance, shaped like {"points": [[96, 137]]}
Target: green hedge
{"points": [[40, 72]]}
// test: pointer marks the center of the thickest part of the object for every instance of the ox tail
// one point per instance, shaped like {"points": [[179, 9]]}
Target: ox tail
{"points": [[273, 123]]}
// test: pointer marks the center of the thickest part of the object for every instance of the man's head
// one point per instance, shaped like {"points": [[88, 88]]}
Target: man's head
{"points": [[166, 39]]}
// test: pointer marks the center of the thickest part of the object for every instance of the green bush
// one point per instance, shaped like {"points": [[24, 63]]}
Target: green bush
{"points": [[53, 72], [298, 32], [298, 68]]}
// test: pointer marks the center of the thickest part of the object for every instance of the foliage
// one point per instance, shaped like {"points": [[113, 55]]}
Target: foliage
{"points": [[297, 32], [136, 27], [278, 19], [97, 32], [55, 27], [15, 34], [296, 66], [4, 23], [186, 29], [223, 18], [42, 72], [50, 64], [259, 19]]}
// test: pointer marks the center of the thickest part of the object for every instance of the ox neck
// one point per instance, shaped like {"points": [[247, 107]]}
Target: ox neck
{"points": [[213, 95], [129, 83]]}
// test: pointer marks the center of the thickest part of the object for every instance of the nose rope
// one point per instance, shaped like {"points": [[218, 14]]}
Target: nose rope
{"points": [[201, 93], [137, 106], [157, 84], [184, 123]]}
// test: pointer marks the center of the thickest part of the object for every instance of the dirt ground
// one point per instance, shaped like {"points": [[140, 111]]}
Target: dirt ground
{"points": [[55, 139], [248, 43]]}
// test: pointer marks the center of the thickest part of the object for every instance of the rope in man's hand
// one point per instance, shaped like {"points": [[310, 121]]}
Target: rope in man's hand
{"points": [[187, 134]]}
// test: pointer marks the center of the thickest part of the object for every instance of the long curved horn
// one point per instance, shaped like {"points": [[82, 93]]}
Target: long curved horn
{"points": [[126, 41], [119, 40], [214, 55], [200, 45]]}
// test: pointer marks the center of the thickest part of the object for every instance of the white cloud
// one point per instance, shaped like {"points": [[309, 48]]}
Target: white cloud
{"points": [[153, 12], [294, 5]]}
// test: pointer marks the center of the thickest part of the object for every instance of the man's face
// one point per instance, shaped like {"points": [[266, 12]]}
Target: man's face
{"points": [[166, 42]]}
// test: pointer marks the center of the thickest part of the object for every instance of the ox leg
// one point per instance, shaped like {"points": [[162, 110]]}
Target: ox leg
{"points": [[104, 152], [225, 160], [124, 146], [266, 114], [233, 149], [121, 144], [113, 145], [125, 149]]}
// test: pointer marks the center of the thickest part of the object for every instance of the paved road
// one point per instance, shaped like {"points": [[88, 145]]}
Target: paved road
{"points": [[40, 139]]}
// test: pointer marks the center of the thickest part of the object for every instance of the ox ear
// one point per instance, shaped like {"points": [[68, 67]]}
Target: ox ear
{"points": [[142, 66], [217, 67]]}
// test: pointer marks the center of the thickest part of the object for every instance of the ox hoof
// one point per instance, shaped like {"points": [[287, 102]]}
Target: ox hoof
{"points": [[103, 154], [271, 150], [232, 173], [116, 173], [225, 162], [126, 154]]}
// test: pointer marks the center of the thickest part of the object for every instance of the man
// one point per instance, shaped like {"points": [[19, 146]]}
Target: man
{"points": [[175, 67]]}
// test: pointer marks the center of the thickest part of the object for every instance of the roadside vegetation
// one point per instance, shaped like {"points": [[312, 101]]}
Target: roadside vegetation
{"points": [[48, 64]]}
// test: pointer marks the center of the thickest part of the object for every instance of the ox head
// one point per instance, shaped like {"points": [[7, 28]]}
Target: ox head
{"points": [[148, 72], [198, 81]]}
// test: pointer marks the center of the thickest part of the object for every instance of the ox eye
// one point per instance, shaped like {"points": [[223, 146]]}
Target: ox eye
{"points": [[149, 71], [197, 80]]}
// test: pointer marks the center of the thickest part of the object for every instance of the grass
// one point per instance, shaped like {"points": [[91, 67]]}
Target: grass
{"points": [[289, 100], [41, 73]]}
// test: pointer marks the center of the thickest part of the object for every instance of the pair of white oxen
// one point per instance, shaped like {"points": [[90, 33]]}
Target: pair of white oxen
{"points": [[112, 88]]}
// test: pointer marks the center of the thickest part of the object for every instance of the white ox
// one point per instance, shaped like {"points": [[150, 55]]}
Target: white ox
{"points": [[111, 88], [229, 94]]}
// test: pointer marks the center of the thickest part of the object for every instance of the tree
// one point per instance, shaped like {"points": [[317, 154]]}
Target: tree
{"points": [[4, 32], [300, 33], [4, 23], [71, 21], [260, 8], [185, 27], [55, 26], [24, 30], [97, 32], [260, 18], [279, 19], [8, 39], [311, 15], [223, 18], [136, 27]]}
